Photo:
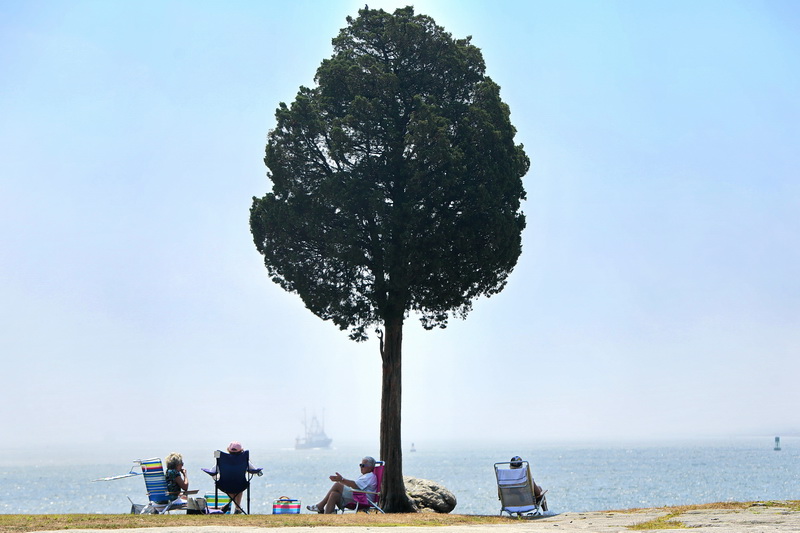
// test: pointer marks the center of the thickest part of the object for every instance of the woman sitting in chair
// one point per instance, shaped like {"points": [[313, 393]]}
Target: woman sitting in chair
{"points": [[177, 479]]}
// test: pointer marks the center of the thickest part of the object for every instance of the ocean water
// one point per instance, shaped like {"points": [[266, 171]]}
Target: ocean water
{"points": [[578, 477]]}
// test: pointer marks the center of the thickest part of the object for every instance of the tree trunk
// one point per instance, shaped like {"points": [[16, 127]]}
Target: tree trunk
{"points": [[393, 494]]}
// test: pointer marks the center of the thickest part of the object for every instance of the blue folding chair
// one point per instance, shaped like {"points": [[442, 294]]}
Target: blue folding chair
{"points": [[232, 475]]}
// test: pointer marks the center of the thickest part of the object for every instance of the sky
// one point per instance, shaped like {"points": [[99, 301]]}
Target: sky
{"points": [[657, 295]]}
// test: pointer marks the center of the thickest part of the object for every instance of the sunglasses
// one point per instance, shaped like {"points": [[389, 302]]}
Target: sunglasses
{"points": [[362, 465]]}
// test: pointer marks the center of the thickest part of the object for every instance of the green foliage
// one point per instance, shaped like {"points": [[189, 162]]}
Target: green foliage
{"points": [[396, 180]]}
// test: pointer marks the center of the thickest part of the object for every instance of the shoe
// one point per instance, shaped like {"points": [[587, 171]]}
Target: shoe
{"points": [[226, 508], [313, 508]]}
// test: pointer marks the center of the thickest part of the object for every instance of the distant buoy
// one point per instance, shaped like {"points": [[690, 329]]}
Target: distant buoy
{"points": [[777, 444], [413, 449]]}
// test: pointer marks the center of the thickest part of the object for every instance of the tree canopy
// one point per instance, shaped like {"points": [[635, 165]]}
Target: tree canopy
{"points": [[396, 189]]}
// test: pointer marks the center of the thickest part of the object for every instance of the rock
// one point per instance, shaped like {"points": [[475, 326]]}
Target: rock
{"points": [[429, 496]]}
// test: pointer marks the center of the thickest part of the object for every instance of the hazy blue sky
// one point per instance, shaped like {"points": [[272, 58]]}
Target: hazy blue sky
{"points": [[658, 293]]}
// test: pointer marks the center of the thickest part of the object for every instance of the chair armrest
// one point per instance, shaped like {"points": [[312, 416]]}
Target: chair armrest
{"points": [[366, 491]]}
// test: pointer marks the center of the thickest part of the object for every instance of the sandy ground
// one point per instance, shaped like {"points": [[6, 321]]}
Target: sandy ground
{"points": [[758, 518]]}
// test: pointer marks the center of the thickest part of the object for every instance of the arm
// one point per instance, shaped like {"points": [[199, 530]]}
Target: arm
{"points": [[253, 469], [361, 484], [182, 480], [338, 478]]}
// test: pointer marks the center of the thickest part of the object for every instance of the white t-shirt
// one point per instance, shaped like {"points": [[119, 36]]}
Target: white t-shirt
{"points": [[368, 482]]}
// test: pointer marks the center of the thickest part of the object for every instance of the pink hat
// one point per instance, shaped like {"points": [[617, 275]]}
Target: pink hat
{"points": [[234, 447]]}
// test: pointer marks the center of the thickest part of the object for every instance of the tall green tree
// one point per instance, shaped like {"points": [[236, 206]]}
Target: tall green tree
{"points": [[396, 189]]}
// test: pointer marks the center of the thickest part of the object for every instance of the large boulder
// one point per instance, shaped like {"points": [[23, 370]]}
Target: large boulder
{"points": [[428, 496]]}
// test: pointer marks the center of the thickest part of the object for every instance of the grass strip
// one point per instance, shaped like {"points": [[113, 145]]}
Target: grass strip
{"points": [[43, 522], [667, 521], [662, 522]]}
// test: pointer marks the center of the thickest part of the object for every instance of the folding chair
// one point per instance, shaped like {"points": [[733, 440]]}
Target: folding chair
{"points": [[515, 488], [364, 500], [232, 475], [156, 484]]}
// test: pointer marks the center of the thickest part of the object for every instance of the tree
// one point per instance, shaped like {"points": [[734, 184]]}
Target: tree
{"points": [[396, 189]]}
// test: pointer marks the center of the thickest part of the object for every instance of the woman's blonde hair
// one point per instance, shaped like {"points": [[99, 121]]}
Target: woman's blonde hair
{"points": [[174, 460]]}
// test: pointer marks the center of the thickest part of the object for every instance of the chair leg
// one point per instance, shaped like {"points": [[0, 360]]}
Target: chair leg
{"points": [[237, 506]]}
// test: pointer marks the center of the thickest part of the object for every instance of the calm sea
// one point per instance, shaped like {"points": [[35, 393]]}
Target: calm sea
{"points": [[577, 477]]}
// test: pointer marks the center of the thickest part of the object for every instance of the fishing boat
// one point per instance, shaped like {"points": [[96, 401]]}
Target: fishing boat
{"points": [[315, 436]]}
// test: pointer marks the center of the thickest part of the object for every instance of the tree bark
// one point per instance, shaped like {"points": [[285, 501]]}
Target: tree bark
{"points": [[393, 493]]}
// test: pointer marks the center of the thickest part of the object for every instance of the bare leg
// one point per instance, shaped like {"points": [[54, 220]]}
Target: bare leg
{"points": [[238, 500], [328, 503]]}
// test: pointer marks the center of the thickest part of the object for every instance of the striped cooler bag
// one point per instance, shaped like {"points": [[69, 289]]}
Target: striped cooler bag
{"points": [[216, 502], [285, 505]]}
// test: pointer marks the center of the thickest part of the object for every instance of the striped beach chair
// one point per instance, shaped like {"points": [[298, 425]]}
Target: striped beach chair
{"points": [[156, 484]]}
